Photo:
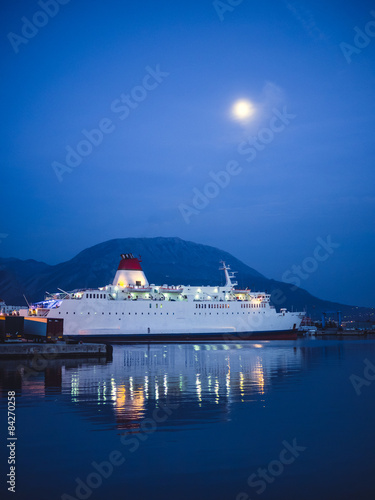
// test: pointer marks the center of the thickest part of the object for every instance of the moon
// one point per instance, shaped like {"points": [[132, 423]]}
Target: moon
{"points": [[243, 109]]}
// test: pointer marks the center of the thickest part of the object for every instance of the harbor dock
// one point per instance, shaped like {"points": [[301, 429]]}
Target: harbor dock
{"points": [[11, 350]]}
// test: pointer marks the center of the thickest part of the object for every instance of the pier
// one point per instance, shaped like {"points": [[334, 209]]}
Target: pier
{"points": [[13, 350]]}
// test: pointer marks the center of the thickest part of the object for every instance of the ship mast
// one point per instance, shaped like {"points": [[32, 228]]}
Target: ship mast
{"points": [[229, 276]]}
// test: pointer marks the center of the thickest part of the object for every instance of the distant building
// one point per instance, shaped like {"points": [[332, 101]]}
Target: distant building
{"points": [[4, 309]]}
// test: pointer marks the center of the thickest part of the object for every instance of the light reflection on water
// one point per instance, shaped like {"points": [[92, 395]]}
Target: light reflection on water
{"points": [[141, 376]]}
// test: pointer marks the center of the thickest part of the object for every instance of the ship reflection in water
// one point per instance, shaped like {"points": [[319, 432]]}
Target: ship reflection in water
{"points": [[141, 377]]}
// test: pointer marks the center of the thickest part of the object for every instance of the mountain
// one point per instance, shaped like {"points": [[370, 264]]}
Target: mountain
{"points": [[164, 260]]}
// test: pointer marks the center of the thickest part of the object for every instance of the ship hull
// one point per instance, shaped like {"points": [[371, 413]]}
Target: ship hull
{"points": [[183, 337], [152, 320]]}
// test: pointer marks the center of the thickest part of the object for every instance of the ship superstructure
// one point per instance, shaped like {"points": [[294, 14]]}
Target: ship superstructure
{"points": [[132, 309]]}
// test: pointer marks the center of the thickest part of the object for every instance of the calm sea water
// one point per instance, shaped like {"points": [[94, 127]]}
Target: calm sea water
{"points": [[268, 420]]}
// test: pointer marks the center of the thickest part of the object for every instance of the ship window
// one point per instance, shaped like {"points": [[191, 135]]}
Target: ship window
{"points": [[90, 295], [157, 306], [87, 295], [66, 312], [103, 295], [102, 313], [150, 305], [88, 313], [137, 283], [59, 312]]}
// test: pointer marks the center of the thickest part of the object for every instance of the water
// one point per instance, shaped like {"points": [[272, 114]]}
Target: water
{"points": [[197, 421]]}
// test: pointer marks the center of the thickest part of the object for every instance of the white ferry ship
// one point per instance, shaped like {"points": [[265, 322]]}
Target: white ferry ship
{"points": [[132, 309]]}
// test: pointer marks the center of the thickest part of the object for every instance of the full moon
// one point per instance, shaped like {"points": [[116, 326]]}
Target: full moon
{"points": [[243, 109]]}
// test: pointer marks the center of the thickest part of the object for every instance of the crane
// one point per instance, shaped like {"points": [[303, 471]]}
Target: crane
{"points": [[324, 317]]}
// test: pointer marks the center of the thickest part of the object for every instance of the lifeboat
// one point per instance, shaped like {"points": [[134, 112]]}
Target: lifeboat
{"points": [[171, 289], [137, 289]]}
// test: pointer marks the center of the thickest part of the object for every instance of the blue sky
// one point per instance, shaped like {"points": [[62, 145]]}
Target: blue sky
{"points": [[312, 179]]}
